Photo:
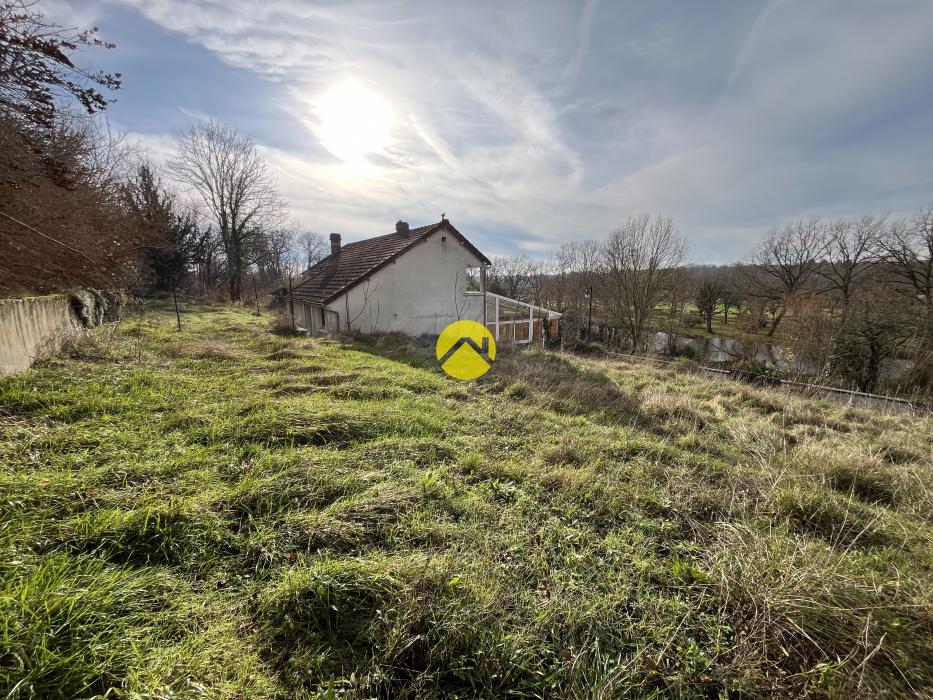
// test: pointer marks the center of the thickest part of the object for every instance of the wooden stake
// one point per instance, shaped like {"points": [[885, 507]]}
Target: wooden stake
{"points": [[177, 314], [256, 294]]}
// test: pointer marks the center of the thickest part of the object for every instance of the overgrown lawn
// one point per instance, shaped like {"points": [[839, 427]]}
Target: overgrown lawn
{"points": [[229, 512]]}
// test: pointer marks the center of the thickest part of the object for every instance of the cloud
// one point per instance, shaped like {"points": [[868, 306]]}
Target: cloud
{"points": [[157, 147], [553, 121]]}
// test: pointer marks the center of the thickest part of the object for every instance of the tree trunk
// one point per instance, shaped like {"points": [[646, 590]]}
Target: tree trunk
{"points": [[234, 284], [845, 309], [235, 268], [709, 323], [775, 321]]}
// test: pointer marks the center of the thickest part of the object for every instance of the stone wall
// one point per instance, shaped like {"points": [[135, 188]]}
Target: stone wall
{"points": [[31, 328]]}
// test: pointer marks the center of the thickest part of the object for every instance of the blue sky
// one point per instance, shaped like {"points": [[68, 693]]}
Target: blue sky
{"points": [[535, 123]]}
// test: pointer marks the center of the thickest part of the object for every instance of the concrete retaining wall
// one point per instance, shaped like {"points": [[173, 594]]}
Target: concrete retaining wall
{"points": [[31, 328]]}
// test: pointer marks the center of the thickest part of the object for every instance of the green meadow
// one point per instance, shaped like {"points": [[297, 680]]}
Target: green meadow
{"points": [[230, 512]]}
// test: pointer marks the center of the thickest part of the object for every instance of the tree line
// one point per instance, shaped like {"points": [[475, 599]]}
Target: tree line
{"points": [[846, 294], [81, 206]]}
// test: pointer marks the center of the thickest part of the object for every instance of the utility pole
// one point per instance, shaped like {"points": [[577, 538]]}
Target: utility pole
{"points": [[589, 317]]}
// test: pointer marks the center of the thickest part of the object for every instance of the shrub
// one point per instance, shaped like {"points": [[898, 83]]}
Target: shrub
{"points": [[82, 301], [115, 303], [586, 347], [756, 372], [687, 352], [282, 323]]}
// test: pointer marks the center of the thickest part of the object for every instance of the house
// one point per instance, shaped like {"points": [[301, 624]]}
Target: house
{"points": [[415, 281]]}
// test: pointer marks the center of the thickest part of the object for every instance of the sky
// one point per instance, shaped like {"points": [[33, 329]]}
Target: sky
{"points": [[531, 124]]}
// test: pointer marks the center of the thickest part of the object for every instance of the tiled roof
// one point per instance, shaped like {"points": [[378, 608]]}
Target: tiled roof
{"points": [[335, 274]]}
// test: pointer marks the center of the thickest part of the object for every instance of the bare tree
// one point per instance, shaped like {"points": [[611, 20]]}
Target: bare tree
{"points": [[509, 276], [538, 273], [638, 261], [567, 287], [851, 249], [879, 327], [313, 247], [786, 261], [908, 250], [706, 296], [272, 253], [732, 296], [88, 151], [36, 71], [234, 184], [676, 292], [574, 271]]}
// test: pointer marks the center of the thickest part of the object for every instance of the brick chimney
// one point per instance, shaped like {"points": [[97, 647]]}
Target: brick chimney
{"points": [[402, 227], [334, 243]]}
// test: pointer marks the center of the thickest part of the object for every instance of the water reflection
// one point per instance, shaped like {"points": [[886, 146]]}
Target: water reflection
{"points": [[717, 349]]}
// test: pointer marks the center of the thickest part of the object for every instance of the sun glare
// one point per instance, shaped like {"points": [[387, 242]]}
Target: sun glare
{"points": [[354, 121]]}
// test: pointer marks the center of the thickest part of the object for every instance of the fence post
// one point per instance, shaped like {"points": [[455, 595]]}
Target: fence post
{"points": [[175, 299]]}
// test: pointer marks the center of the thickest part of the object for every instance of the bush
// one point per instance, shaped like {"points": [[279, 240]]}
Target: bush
{"points": [[756, 372], [115, 303], [282, 323], [586, 347], [82, 302], [920, 377], [688, 352], [90, 306]]}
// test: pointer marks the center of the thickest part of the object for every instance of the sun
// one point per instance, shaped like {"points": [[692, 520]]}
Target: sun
{"points": [[354, 121]]}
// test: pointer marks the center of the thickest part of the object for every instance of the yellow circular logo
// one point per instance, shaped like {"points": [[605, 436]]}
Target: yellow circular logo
{"points": [[466, 350]]}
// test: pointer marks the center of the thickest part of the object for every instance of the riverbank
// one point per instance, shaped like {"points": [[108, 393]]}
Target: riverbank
{"points": [[845, 397]]}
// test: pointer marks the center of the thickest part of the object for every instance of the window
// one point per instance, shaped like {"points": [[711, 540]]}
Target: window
{"points": [[474, 280], [443, 239], [323, 317]]}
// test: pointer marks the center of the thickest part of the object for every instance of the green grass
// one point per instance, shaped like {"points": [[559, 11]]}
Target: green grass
{"points": [[227, 512], [661, 320]]}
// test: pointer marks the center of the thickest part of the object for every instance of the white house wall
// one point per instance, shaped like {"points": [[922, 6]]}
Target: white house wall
{"points": [[421, 292]]}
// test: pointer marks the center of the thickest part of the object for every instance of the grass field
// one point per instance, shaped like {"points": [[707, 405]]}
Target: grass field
{"points": [[227, 512], [661, 320]]}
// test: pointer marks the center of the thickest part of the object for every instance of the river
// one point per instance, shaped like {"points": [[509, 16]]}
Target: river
{"points": [[717, 350]]}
